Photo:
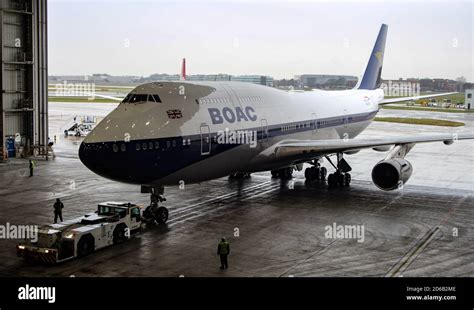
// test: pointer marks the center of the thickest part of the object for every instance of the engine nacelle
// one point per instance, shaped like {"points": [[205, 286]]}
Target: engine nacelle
{"points": [[391, 173]]}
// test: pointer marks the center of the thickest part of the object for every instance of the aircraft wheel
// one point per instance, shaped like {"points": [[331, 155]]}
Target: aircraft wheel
{"points": [[323, 172], [332, 181], [287, 173], [120, 233], [341, 180], [347, 179], [85, 246], [161, 215]]}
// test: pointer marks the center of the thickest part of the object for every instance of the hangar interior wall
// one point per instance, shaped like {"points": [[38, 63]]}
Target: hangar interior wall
{"points": [[23, 76]]}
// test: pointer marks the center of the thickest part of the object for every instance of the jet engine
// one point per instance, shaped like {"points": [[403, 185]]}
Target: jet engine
{"points": [[394, 171], [391, 173]]}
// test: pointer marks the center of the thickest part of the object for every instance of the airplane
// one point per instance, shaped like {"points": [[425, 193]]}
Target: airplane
{"points": [[181, 132]]}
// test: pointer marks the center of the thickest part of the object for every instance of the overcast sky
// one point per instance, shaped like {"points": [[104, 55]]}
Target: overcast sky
{"points": [[280, 39]]}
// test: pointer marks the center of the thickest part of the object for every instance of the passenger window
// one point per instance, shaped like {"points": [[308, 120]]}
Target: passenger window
{"points": [[123, 148], [150, 145], [157, 145], [144, 146], [137, 146]]}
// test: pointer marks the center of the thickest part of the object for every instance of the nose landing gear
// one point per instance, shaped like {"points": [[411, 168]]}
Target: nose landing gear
{"points": [[155, 212]]}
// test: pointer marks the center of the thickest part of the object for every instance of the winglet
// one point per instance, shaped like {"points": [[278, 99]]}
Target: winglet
{"points": [[372, 75], [183, 70]]}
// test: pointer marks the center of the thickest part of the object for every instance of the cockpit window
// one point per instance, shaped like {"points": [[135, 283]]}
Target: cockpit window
{"points": [[157, 98], [126, 99], [139, 98]]}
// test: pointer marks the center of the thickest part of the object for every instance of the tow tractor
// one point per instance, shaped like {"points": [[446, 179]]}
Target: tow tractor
{"points": [[111, 224]]}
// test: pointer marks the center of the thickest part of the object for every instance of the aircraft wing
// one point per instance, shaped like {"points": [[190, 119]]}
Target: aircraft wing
{"points": [[94, 95], [401, 99], [108, 97], [313, 148]]}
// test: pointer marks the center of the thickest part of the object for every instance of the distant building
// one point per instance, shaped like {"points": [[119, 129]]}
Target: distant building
{"points": [[208, 77], [468, 100], [161, 77], [441, 85], [326, 80], [255, 79]]}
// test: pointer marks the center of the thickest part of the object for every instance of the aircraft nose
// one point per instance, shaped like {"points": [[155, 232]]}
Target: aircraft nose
{"points": [[115, 161], [94, 157], [88, 154]]}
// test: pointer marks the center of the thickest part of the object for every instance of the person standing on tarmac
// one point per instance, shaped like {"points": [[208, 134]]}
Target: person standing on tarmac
{"points": [[58, 210], [32, 166], [223, 250]]}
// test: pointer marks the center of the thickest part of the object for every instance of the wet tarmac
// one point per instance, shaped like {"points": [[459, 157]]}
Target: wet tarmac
{"points": [[275, 228]]}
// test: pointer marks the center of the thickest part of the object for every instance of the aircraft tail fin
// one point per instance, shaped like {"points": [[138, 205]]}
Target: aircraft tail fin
{"points": [[371, 78]]}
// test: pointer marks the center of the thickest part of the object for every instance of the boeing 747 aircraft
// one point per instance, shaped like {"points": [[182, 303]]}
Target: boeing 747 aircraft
{"points": [[166, 133]]}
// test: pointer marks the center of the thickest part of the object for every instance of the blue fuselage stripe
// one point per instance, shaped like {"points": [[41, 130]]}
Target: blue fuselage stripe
{"points": [[146, 160]]}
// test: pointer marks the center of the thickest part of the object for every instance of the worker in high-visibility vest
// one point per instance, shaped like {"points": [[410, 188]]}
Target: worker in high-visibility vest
{"points": [[223, 250]]}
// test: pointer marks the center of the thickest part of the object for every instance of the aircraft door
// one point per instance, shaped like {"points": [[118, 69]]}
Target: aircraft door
{"points": [[314, 123], [264, 135], [205, 140]]}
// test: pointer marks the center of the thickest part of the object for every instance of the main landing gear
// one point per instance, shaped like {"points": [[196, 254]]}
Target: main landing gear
{"points": [[316, 172], [284, 173], [154, 211], [240, 175], [340, 178]]}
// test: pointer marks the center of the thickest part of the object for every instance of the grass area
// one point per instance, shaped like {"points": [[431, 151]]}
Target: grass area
{"points": [[81, 99], [419, 121], [455, 98], [413, 108]]}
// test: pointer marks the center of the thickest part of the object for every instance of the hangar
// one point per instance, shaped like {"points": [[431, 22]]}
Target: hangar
{"points": [[24, 78]]}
